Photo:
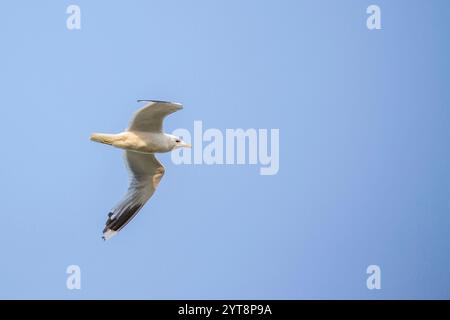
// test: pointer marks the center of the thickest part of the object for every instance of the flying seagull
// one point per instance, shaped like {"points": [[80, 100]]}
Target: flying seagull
{"points": [[143, 138]]}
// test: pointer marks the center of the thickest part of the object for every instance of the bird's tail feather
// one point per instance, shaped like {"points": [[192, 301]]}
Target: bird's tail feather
{"points": [[104, 138]]}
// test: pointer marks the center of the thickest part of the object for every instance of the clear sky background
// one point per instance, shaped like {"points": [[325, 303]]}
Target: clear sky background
{"points": [[364, 119]]}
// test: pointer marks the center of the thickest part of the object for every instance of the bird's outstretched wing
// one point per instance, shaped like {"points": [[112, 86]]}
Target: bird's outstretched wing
{"points": [[150, 117], [145, 173]]}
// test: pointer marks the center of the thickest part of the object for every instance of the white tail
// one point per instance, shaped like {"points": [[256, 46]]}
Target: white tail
{"points": [[104, 138]]}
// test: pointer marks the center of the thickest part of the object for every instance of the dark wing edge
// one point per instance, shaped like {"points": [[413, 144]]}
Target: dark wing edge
{"points": [[146, 172], [150, 117]]}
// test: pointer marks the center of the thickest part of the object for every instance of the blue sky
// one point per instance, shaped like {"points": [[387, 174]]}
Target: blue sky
{"points": [[364, 124]]}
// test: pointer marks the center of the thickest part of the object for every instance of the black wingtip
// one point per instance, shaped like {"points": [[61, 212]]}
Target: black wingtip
{"points": [[158, 101], [146, 100]]}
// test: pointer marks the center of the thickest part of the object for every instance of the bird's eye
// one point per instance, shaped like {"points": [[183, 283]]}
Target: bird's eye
{"points": [[177, 141]]}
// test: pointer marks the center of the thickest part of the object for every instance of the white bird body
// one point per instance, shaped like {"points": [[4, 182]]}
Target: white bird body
{"points": [[143, 138], [138, 141]]}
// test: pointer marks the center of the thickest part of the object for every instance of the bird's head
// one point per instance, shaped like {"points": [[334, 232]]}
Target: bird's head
{"points": [[177, 142]]}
